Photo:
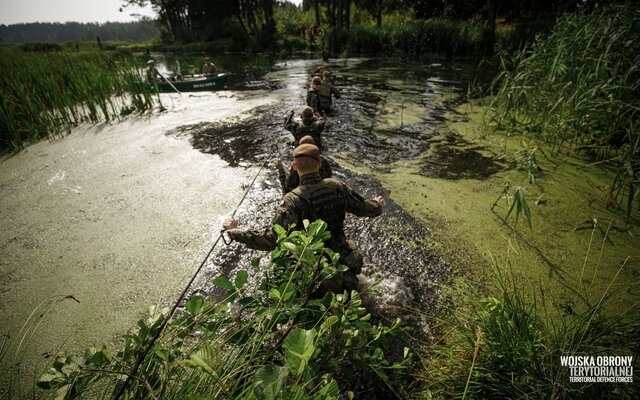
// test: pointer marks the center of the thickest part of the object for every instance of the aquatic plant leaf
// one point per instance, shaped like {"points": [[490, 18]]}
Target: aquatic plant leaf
{"points": [[205, 359], [268, 381], [328, 323], [328, 391], [223, 282], [241, 278], [299, 347], [194, 304], [275, 294]]}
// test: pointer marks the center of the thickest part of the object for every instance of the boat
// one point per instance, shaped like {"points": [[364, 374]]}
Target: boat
{"points": [[199, 84]]}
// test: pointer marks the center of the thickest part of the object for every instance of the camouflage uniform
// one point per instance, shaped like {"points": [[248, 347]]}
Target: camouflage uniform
{"points": [[291, 180], [301, 129], [324, 95], [313, 101], [210, 69], [315, 198], [153, 75]]}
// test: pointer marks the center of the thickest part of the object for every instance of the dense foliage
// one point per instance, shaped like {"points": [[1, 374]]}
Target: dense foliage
{"points": [[578, 89], [280, 341]]}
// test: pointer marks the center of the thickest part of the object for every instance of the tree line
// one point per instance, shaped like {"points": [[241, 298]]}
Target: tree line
{"points": [[138, 31], [205, 20]]}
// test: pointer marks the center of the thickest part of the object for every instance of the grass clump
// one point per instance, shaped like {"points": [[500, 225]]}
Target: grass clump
{"points": [[46, 93], [280, 341], [506, 346], [577, 89]]}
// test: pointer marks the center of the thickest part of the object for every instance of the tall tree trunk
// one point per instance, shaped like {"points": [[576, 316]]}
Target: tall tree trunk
{"points": [[490, 40], [340, 13], [379, 14], [347, 13], [317, 9], [331, 12], [269, 23]]}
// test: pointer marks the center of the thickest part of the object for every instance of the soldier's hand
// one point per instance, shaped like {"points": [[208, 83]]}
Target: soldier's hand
{"points": [[278, 164], [380, 200], [230, 223]]}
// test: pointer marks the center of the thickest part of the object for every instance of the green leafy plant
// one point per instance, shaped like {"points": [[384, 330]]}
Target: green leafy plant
{"points": [[286, 339], [518, 202]]}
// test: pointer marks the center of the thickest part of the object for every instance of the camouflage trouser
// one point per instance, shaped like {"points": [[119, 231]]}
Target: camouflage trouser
{"points": [[347, 280]]}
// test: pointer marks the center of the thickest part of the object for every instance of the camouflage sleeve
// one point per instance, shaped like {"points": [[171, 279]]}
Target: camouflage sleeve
{"points": [[358, 205], [336, 92], [325, 169], [291, 126], [283, 177], [266, 239], [293, 181]]}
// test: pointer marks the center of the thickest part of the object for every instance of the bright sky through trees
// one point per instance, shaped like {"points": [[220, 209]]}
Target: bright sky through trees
{"points": [[13, 12]]}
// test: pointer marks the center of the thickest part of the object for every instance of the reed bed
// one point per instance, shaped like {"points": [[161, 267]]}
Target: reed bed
{"points": [[508, 346], [411, 38], [577, 89], [44, 94]]}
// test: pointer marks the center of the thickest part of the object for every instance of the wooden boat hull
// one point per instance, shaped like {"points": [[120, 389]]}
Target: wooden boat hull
{"points": [[195, 85]]}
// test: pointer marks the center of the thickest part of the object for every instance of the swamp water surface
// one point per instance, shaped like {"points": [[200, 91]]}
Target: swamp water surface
{"points": [[119, 216]]}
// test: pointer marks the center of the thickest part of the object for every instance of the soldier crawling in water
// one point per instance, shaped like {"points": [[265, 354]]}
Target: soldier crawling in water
{"points": [[309, 125], [316, 198]]}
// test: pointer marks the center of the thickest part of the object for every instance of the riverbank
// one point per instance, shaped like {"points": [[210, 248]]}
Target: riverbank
{"points": [[562, 254], [576, 266]]}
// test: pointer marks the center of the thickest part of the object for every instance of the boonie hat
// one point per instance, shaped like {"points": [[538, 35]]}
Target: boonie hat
{"points": [[150, 62], [308, 139], [307, 150]]}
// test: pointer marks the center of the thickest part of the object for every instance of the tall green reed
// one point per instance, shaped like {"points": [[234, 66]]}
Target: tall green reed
{"points": [[44, 94], [577, 89], [506, 345]]}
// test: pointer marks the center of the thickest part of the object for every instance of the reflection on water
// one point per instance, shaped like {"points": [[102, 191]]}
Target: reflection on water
{"points": [[388, 112]]}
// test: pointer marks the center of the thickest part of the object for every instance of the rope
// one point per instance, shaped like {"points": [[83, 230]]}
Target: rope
{"points": [[182, 295]]}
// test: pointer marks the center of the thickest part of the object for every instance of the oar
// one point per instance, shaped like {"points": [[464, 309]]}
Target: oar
{"points": [[169, 82]]}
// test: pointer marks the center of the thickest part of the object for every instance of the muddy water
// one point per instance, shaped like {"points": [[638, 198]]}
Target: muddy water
{"points": [[387, 113], [118, 216]]}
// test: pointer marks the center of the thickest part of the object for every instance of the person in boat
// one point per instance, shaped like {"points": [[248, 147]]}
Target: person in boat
{"points": [[153, 75], [291, 179], [309, 125], [326, 91], [313, 100], [316, 198], [209, 69]]}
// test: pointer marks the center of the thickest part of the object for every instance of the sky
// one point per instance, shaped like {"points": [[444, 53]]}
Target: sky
{"points": [[17, 11]]}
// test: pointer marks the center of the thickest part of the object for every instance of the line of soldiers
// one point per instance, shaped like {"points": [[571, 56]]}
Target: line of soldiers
{"points": [[311, 194]]}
